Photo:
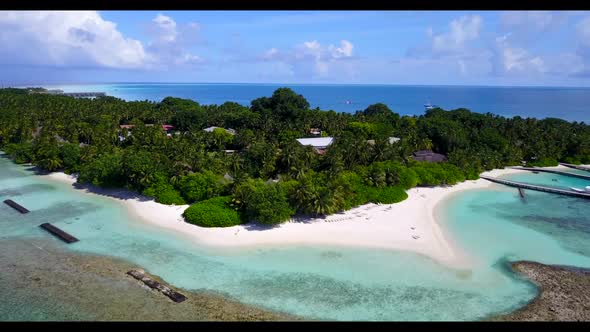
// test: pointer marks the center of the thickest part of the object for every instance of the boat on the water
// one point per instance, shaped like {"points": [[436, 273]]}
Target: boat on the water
{"points": [[429, 106], [585, 190]]}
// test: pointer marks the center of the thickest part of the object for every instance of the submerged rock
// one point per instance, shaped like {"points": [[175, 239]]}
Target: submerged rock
{"points": [[564, 293]]}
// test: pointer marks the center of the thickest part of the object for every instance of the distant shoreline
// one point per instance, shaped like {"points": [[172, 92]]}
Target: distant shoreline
{"points": [[306, 84]]}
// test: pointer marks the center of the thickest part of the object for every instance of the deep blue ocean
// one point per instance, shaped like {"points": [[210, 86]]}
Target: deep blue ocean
{"points": [[572, 104]]}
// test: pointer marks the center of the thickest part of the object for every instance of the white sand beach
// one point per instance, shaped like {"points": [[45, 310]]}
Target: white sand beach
{"points": [[409, 225]]}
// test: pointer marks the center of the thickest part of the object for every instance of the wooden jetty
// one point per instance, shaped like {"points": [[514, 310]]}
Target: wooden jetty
{"points": [[581, 168], [16, 206], [172, 294], [67, 238], [537, 188], [534, 169]]}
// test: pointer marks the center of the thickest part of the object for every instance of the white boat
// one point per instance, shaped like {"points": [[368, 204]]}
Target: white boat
{"points": [[585, 190], [429, 106]]}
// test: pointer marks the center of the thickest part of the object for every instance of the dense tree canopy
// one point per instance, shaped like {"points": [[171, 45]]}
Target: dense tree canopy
{"points": [[261, 171]]}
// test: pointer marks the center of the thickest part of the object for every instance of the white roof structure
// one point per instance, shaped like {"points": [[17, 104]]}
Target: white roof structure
{"points": [[394, 140], [210, 130], [316, 142]]}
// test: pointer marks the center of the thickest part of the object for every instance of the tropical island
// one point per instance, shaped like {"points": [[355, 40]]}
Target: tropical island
{"points": [[273, 160], [278, 172]]}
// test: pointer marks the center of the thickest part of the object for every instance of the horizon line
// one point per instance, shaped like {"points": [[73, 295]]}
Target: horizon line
{"points": [[300, 84]]}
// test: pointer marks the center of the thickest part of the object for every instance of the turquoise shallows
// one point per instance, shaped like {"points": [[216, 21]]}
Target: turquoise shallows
{"points": [[318, 282]]}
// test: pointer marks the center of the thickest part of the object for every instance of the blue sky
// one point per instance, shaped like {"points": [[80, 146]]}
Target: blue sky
{"points": [[343, 47]]}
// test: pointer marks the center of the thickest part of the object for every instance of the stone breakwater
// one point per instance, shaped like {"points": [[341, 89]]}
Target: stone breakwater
{"points": [[564, 293], [156, 285]]}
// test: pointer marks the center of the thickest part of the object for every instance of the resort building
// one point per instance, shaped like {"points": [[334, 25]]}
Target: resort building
{"points": [[315, 131], [55, 92], [394, 140], [320, 144], [429, 156], [229, 130], [167, 128], [68, 94], [391, 140], [46, 91]]}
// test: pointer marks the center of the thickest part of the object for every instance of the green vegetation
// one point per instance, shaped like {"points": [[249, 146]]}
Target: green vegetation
{"points": [[214, 212], [545, 162], [200, 186], [387, 195], [163, 192], [262, 202], [261, 173]]}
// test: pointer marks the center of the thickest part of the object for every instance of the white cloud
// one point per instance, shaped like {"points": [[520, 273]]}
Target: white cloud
{"points": [[583, 32], [462, 67], [345, 49], [170, 42], [530, 20], [66, 38], [166, 27], [512, 58], [84, 39], [273, 53], [461, 31], [452, 49], [310, 59], [583, 49], [508, 59]]}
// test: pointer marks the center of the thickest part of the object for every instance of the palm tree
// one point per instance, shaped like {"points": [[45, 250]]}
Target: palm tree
{"points": [[50, 163], [326, 201]]}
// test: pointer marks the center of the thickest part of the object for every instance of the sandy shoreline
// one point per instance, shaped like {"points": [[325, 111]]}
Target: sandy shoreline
{"points": [[410, 225]]}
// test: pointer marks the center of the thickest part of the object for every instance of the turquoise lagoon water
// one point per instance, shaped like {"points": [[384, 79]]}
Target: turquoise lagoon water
{"points": [[320, 282]]}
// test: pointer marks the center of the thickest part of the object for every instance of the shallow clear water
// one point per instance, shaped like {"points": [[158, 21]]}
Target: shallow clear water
{"points": [[578, 171], [315, 282], [540, 102], [553, 180]]}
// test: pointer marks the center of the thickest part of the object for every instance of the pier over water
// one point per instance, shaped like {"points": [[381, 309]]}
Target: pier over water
{"points": [[537, 187], [581, 168], [534, 169]]}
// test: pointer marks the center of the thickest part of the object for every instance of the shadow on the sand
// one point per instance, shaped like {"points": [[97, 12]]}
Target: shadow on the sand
{"points": [[254, 226], [308, 219], [123, 194], [120, 193], [299, 219]]}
